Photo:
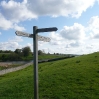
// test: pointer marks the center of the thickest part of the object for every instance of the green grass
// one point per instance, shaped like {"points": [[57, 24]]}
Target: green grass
{"points": [[6, 55], [73, 78], [17, 85], [43, 56], [49, 56]]}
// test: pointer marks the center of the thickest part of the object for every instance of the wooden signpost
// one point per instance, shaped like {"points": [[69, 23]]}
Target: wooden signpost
{"points": [[40, 38], [36, 38]]}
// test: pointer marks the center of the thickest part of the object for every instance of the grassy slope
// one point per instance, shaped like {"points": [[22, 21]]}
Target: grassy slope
{"points": [[44, 56], [17, 85], [74, 78], [49, 56]]}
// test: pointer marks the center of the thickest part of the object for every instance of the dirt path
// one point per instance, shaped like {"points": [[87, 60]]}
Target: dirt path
{"points": [[5, 71]]}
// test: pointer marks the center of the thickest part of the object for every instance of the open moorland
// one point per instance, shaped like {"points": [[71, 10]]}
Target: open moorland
{"points": [[72, 78]]}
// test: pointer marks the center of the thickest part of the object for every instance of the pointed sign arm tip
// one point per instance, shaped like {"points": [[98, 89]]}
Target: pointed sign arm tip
{"points": [[20, 33]]}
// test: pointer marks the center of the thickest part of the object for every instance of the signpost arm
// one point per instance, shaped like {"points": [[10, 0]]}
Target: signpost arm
{"points": [[35, 41]]}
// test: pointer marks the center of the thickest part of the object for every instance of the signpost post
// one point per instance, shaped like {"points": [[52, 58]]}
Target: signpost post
{"points": [[36, 37]]}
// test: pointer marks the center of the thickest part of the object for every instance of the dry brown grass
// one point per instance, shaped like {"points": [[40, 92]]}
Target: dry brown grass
{"points": [[3, 64]]}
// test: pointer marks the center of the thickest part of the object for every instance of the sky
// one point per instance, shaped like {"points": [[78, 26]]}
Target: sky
{"points": [[77, 22]]}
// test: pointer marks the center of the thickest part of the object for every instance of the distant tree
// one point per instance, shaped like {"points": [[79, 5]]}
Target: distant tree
{"points": [[40, 52], [57, 53], [18, 51], [9, 51], [48, 53], [14, 57], [3, 57], [0, 51], [26, 51], [6, 51]]}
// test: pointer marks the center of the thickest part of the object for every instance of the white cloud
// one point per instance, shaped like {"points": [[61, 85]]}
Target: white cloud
{"points": [[0, 33], [29, 9], [75, 32], [55, 36], [94, 22], [98, 1], [94, 27], [40, 43], [19, 11], [29, 44], [19, 28], [89, 46], [69, 36], [59, 7], [16, 39], [92, 47], [56, 42], [12, 13], [9, 45], [76, 38], [76, 43], [7, 24], [4, 23]]}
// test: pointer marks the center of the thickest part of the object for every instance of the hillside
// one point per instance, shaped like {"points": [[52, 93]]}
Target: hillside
{"points": [[73, 78]]}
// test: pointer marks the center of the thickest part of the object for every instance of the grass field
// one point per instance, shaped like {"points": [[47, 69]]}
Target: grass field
{"points": [[73, 78], [43, 56], [49, 56]]}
